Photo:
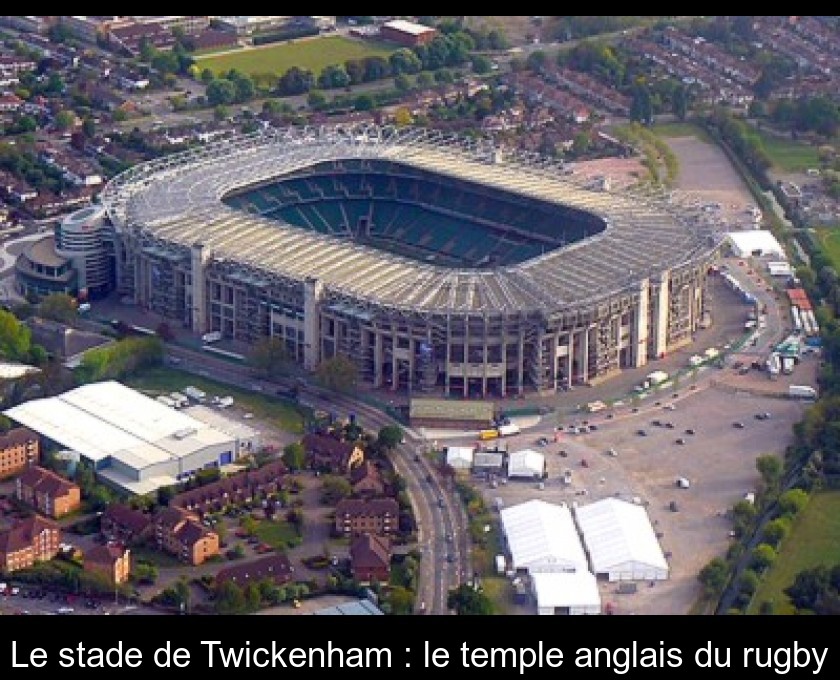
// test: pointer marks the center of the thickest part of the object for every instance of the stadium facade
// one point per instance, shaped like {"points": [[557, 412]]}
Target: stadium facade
{"points": [[431, 261]]}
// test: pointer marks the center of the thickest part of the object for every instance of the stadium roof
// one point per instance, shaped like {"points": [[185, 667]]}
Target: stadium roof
{"points": [[176, 202], [108, 419], [619, 537], [542, 537]]}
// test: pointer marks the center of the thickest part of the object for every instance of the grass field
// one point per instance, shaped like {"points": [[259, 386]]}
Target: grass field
{"points": [[164, 380], [788, 155], [312, 54], [680, 130], [276, 534], [830, 241], [814, 540]]}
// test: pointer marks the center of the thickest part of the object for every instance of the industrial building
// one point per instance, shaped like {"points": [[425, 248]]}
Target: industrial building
{"points": [[407, 33], [134, 443], [433, 262]]}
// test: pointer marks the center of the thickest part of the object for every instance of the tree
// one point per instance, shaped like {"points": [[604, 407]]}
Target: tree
{"points": [[714, 576], [390, 436], [144, 573], [770, 468], [808, 586], [269, 356], [294, 456], [230, 599], [15, 338], [776, 530], [401, 600], [64, 120], [791, 502], [221, 91], [335, 488], [338, 373], [467, 601], [364, 102], [182, 590], [763, 557]]}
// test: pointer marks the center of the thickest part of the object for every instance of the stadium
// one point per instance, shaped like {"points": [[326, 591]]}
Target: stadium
{"points": [[434, 262]]}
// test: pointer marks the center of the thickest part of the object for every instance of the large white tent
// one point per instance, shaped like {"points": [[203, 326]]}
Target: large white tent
{"points": [[755, 241], [542, 537], [621, 542], [459, 457], [568, 593], [526, 463]]}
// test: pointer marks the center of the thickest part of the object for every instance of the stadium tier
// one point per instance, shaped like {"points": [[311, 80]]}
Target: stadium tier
{"points": [[434, 262]]}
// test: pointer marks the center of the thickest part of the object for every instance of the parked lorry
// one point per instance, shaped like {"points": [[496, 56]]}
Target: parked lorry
{"points": [[508, 430], [802, 392]]}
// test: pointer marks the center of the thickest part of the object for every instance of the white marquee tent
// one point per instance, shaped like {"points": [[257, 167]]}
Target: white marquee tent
{"points": [[459, 457], [762, 242], [526, 463], [569, 593], [542, 537], [621, 541]]}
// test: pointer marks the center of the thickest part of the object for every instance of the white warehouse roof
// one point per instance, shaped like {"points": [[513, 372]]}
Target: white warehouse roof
{"points": [[542, 537], [108, 419], [745, 243], [526, 463], [621, 541], [576, 593]]}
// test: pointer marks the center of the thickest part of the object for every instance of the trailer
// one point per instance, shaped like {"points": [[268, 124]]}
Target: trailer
{"points": [[657, 378], [508, 430], [802, 392], [195, 394]]}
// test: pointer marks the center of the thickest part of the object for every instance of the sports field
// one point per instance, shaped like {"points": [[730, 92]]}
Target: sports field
{"points": [[307, 53], [788, 155], [830, 241], [814, 540]]}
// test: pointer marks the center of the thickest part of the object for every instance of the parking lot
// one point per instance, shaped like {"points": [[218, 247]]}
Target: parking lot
{"points": [[718, 461]]}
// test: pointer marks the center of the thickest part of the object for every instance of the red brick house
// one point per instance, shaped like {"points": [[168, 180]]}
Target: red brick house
{"points": [[238, 488], [125, 525], [370, 558], [181, 534], [47, 492], [18, 448], [275, 568], [34, 539], [325, 452], [366, 480], [113, 561], [356, 516]]}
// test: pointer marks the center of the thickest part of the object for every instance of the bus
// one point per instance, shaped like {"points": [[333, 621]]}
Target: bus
{"points": [[484, 435]]}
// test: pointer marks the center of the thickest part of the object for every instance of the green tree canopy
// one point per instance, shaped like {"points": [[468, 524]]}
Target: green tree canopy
{"points": [[15, 338], [58, 307], [467, 601], [338, 373], [294, 456]]}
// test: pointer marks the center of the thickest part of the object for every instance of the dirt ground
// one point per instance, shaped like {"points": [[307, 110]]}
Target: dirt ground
{"points": [[718, 460]]}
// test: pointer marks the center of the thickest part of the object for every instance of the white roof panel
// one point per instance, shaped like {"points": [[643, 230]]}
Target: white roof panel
{"points": [[109, 419], [542, 537], [526, 463], [577, 589], [619, 533]]}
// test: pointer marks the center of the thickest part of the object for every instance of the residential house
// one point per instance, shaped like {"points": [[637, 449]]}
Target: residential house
{"points": [[113, 561], [125, 525], [34, 539], [181, 534], [325, 452], [370, 558], [366, 480], [47, 492], [232, 490], [19, 447], [356, 516], [275, 568]]}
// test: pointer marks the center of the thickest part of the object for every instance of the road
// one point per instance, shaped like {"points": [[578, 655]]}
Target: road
{"points": [[437, 508]]}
